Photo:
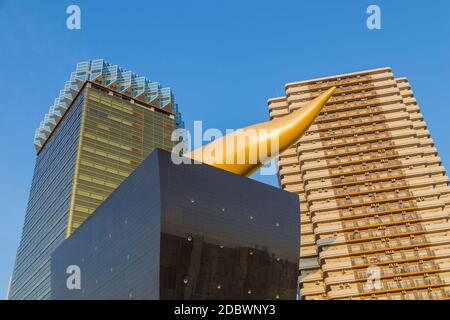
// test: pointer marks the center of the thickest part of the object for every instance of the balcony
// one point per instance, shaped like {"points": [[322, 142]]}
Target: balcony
{"points": [[311, 277], [433, 294], [351, 78], [327, 191], [396, 270], [310, 290], [381, 259], [356, 139], [414, 283], [331, 135], [375, 174], [382, 246], [378, 221], [406, 284], [366, 157], [384, 234], [308, 263], [382, 146], [352, 93], [405, 207]]}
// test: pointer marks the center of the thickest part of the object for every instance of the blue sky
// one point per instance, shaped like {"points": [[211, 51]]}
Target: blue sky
{"points": [[223, 59]]}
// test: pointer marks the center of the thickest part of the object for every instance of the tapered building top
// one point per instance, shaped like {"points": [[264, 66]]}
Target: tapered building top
{"points": [[111, 76]]}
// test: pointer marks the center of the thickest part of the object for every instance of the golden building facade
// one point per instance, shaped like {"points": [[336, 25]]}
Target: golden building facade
{"points": [[373, 193], [116, 135]]}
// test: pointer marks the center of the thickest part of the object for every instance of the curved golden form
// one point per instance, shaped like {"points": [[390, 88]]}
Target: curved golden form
{"points": [[246, 150]]}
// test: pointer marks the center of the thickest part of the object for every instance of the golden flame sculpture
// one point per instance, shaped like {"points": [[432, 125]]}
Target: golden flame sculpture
{"points": [[284, 131]]}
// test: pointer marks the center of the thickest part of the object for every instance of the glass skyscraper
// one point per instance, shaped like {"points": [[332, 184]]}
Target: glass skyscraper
{"points": [[100, 128]]}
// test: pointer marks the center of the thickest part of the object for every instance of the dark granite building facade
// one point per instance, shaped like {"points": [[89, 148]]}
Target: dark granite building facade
{"points": [[184, 232]]}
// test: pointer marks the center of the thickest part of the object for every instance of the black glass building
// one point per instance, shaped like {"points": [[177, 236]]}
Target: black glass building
{"points": [[184, 232]]}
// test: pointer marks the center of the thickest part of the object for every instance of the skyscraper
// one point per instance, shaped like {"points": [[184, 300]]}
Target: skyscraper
{"points": [[100, 128], [374, 197]]}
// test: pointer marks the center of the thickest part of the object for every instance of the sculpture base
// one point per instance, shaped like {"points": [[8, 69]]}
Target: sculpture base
{"points": [[184, 232]]}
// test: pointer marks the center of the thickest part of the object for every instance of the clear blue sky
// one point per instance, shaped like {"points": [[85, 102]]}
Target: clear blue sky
{"points": [[223, 59]]}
